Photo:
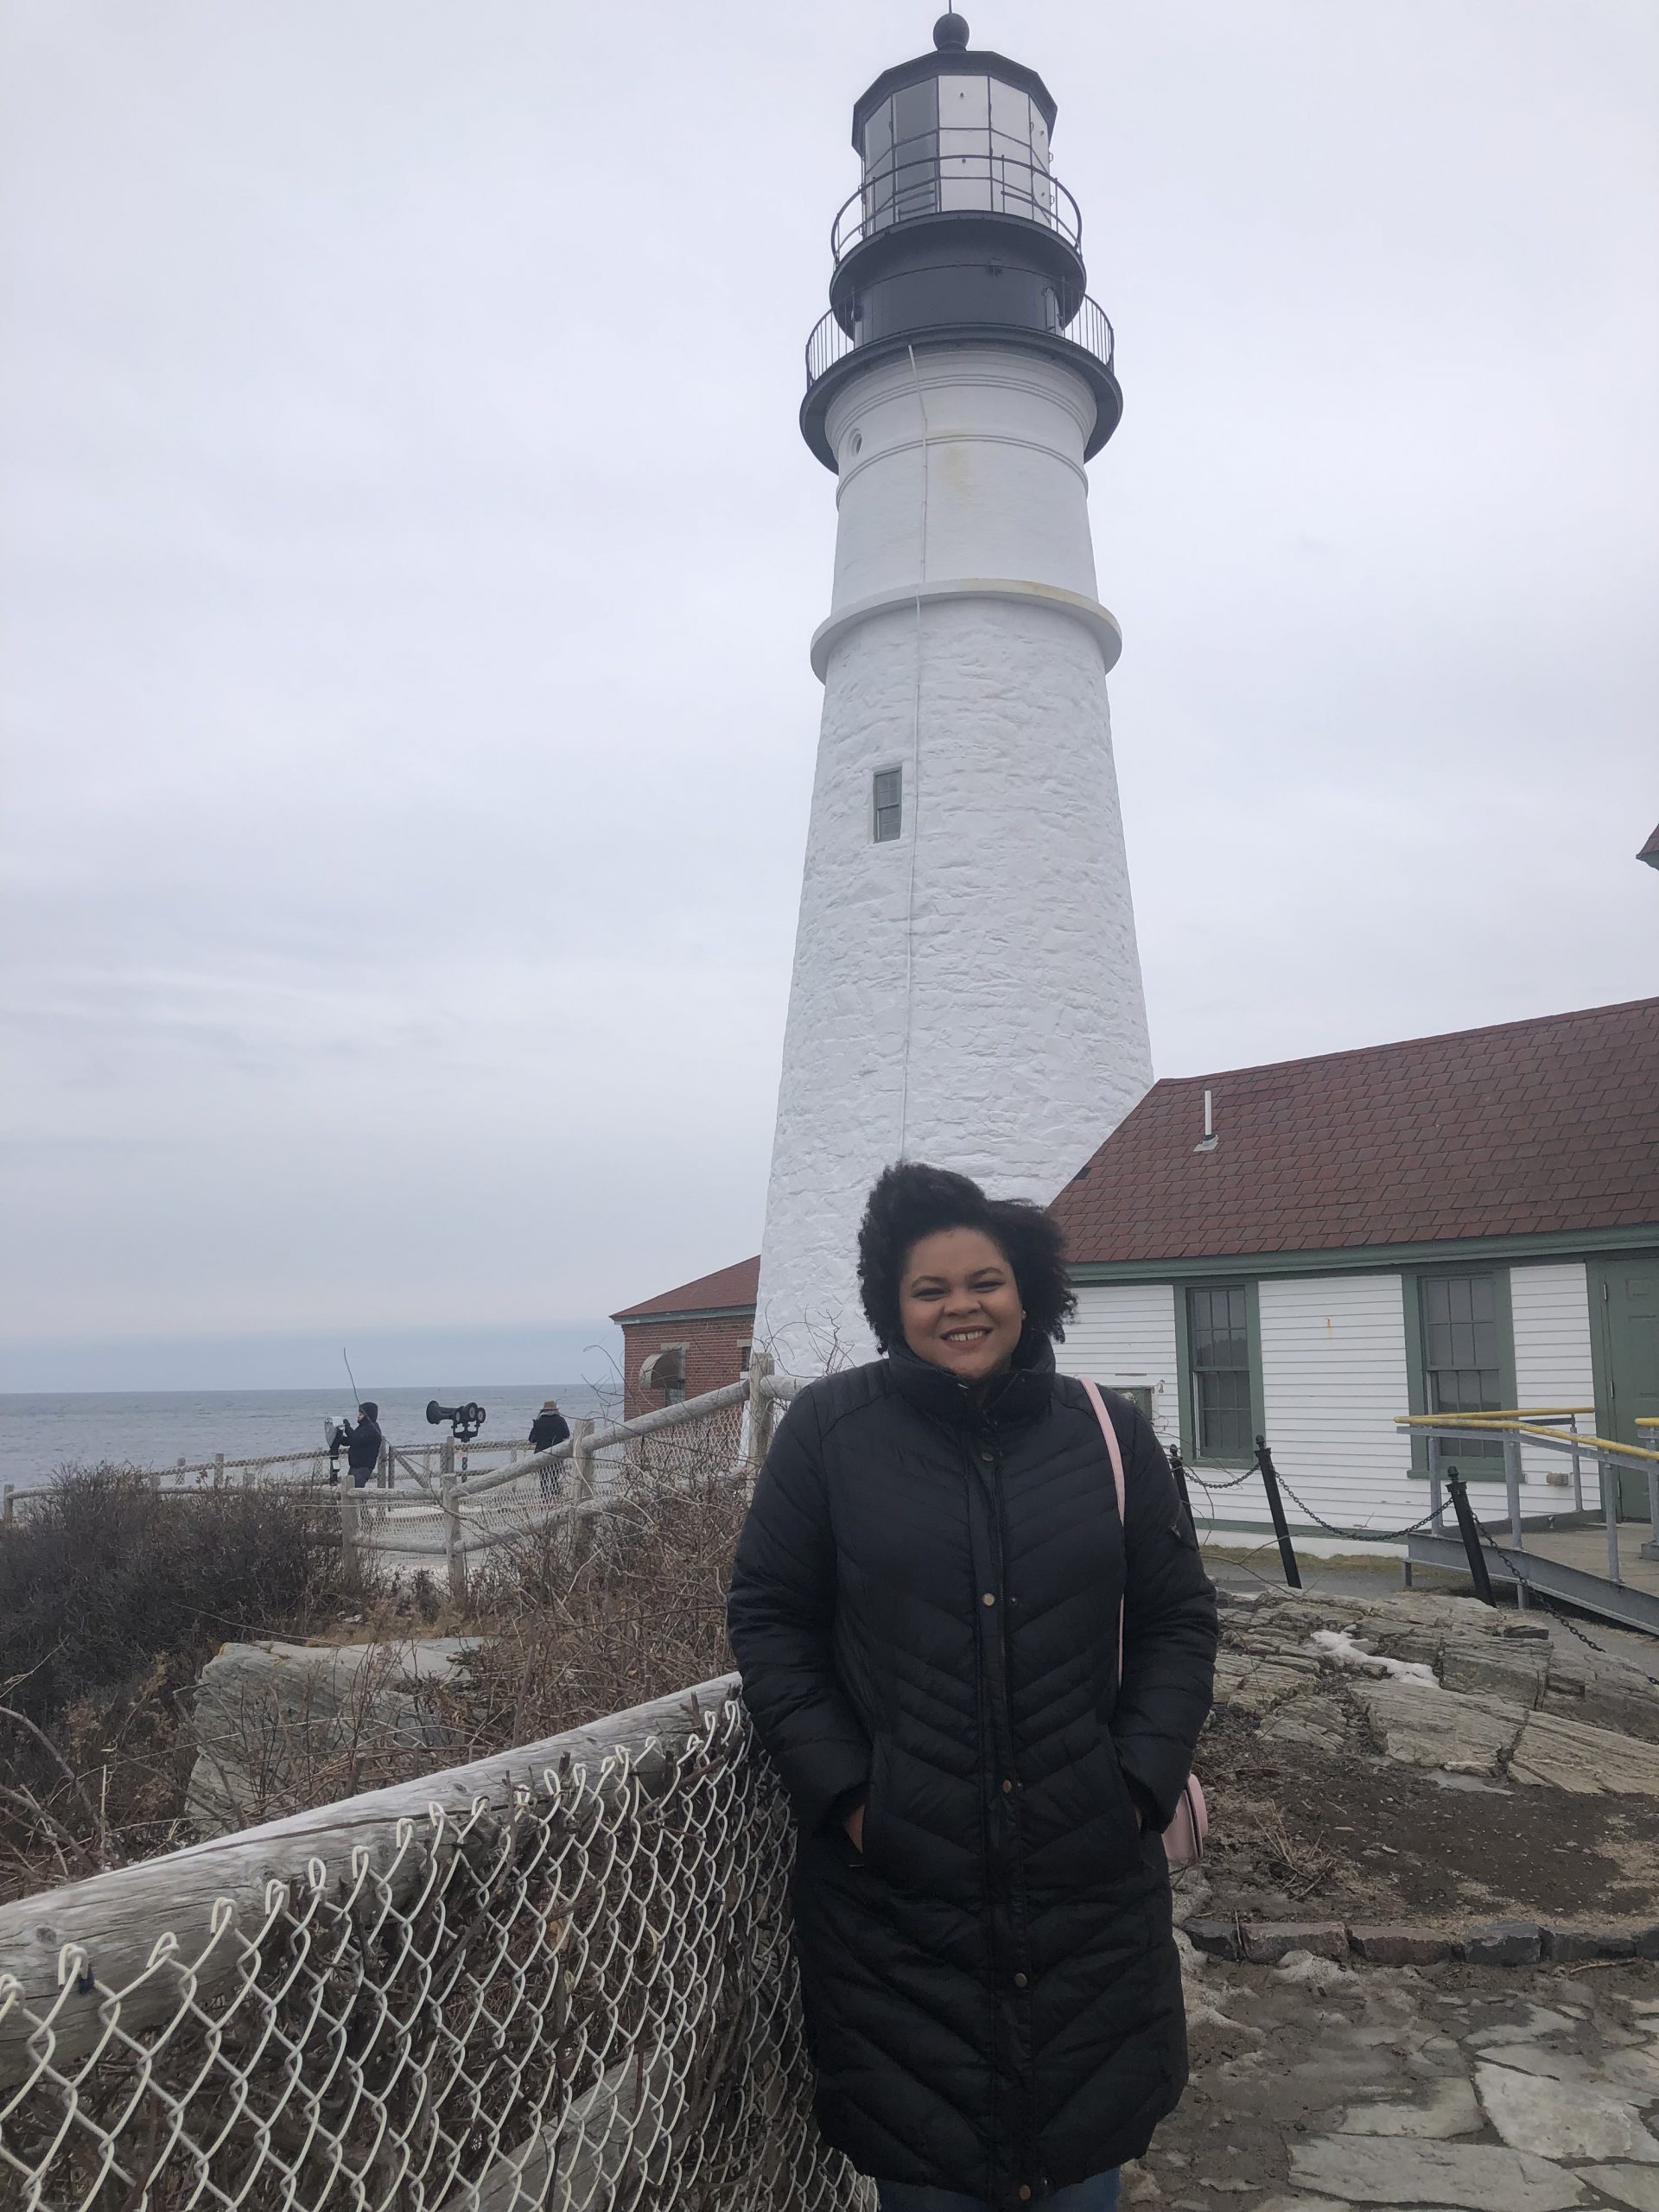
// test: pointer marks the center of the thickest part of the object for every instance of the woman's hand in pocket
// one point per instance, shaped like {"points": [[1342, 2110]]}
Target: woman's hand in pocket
{"points": [[854, 1825]]}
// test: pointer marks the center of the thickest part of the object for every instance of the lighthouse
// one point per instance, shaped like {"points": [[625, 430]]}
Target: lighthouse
{"points": [[967, 986]]}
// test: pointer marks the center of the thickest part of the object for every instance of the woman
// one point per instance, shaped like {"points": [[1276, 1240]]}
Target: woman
{"points": [[924, 1608]]}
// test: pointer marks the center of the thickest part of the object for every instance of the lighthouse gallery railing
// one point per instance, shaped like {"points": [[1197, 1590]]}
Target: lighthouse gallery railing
{"points": [[1088, 329]]}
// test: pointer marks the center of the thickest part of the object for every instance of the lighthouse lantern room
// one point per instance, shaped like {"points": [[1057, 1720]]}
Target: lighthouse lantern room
{"points": [[966, 986]]}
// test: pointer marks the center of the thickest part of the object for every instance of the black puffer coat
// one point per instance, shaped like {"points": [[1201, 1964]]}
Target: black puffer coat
{"points": [[925, 1606]]}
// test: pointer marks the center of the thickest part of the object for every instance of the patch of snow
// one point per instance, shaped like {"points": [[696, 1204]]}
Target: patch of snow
{"points": [[1339, 1644]]}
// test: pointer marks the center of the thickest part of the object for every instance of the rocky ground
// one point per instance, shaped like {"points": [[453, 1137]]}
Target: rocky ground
{"points": [[1319, 2087], [1424, 1759], [1417, 1778]]}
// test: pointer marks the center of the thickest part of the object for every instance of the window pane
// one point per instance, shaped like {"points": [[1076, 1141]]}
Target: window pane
{"points": [[1460, 1351], [1219, 1351], [916, 148], [887, 804]]}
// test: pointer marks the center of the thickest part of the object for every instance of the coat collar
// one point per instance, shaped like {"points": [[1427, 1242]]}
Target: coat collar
{"points": [[1017, 1396]]}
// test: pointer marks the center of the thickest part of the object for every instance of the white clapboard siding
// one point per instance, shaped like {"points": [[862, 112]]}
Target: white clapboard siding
{"points": [[1333, 1372], [1124, 1335], [1551, 1308]]}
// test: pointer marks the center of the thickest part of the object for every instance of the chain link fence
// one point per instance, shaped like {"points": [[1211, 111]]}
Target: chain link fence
{"points": [[561, 1978]]}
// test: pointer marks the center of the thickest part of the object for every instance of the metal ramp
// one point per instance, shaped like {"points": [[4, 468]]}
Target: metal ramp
{"points": [[1588, 1558], [1536, 1570]]}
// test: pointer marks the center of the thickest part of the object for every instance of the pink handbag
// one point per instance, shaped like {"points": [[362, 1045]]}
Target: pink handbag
{"points": [[1184, 1837]]}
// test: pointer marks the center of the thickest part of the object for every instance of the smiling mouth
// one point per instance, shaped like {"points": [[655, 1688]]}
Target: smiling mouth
{"points": [[965, 1336]]}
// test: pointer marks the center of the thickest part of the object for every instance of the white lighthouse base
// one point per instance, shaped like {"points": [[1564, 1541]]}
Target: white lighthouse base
{"points": [[986, 1016]]}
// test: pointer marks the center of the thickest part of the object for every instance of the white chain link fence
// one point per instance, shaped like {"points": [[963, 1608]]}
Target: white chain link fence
{"points": [[560, 1977]]}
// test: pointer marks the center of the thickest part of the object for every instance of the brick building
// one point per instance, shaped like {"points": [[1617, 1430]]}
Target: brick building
{"points": [[686, 1341]]}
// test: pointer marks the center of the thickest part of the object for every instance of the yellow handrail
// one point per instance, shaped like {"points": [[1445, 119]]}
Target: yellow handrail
{"points": [[1496, 1413], [1518, 1424]]}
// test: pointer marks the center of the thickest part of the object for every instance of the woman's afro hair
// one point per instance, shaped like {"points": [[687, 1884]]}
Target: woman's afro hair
{"points": [[909, 1201]]}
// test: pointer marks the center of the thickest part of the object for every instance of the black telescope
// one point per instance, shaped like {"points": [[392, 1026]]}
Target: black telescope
{"points": [[465, 1421]]}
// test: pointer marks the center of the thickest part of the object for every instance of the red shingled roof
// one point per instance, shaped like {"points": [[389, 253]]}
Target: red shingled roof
{"points": [[737, 1286], [1527, 1127]]}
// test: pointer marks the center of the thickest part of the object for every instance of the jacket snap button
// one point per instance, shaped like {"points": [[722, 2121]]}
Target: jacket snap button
{"points": [[1020, 1981], [989, 1599], [1025, 2193], [1007, 1787]]}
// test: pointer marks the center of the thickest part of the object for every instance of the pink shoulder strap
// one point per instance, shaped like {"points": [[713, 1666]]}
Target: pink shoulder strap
{"points": [[1113, 1452]]}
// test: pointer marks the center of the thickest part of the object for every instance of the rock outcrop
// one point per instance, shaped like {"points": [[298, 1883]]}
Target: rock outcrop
{"points": [[1491, 1695], [279, 1726]]}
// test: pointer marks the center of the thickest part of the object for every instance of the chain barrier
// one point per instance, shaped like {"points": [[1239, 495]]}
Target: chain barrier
{"points": [[1350, 1535], [575, 1995]]}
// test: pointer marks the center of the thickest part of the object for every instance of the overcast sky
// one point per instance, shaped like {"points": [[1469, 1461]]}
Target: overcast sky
{"points": [[408, 556]]}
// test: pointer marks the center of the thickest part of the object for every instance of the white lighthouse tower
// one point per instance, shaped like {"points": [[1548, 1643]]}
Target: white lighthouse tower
{"points": [[967, 989]]}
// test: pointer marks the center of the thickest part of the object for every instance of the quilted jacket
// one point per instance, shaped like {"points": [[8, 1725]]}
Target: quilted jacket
{"points": [[924, 1608]]}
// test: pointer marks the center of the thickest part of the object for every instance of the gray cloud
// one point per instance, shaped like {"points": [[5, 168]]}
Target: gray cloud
{"points": [[407, 558]]}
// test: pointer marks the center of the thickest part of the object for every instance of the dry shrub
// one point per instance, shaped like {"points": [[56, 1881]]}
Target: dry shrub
{"points": [[111, 1596], [588, 1617]]}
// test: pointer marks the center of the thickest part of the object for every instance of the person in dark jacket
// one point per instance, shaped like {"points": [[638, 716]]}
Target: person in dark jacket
{"points": [[924, 1608], [363, 1442], [550, 1428]]}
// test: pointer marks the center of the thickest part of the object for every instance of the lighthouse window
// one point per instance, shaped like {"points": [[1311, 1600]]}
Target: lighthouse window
{"points": [[888, 803]]}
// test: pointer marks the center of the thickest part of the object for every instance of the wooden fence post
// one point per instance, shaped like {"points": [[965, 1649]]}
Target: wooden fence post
{"points": [[447, 1456], [8, 1504], [763, 1410], [454, 1557], [582, 1486], [348, 1531]]}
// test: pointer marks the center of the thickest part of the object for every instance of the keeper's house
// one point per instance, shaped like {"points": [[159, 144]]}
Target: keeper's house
{"points": [[1307, 1249]]}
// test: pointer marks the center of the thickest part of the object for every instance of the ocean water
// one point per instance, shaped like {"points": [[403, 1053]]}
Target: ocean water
{"points": [[41, 1432]]}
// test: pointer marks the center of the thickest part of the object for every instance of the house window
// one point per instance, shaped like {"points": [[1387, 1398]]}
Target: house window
{"points": [[743, 1352], [674, 1394], [887, 802], [1218, 1351], [1462, 1366]]}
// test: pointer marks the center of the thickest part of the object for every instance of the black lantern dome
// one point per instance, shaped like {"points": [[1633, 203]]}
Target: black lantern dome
{"points": [[959, 230]]}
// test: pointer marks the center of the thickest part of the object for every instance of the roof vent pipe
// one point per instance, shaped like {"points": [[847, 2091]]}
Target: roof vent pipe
{"points": [[1210, 1139]]}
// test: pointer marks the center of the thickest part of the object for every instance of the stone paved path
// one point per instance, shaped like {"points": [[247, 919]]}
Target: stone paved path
{"points": [[1318, 2088]]}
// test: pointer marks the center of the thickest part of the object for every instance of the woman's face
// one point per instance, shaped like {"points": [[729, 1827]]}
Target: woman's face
{"points": [[959, 1303]]}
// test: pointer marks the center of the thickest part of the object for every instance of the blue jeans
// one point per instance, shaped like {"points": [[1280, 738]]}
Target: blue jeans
{"points": [[1098, 2194]]}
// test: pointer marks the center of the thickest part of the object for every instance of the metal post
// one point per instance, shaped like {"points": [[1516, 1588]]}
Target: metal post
{"points": [[1179, 1471], [454, 1556], [1512, 1490], [1609, 1514], [762, 1409], [1469, 1531], [1275, 1506], [1651, 1549], [1577, 1464], [1436, 1501]]}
